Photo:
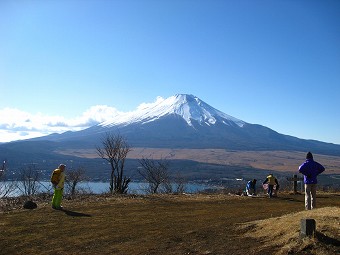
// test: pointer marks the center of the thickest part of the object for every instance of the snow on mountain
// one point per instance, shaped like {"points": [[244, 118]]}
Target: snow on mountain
{"points": [[188, 107], [183, 121]]}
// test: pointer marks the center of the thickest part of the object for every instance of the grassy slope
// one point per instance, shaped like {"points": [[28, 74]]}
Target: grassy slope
{"points": [[186, 224], [285, 232]]}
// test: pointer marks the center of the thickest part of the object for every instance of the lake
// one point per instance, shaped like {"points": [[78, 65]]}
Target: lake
{"points": [[103, 187]]}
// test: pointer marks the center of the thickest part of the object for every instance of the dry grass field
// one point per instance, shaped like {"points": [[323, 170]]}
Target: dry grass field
{"points": [[169, 224], [269, 160]]}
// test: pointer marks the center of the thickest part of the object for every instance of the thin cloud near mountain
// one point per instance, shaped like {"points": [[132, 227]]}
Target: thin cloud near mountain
{"points": [[16, 124]]}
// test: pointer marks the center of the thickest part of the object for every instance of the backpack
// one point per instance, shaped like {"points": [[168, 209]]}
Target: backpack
{"points": [[55, 177]]}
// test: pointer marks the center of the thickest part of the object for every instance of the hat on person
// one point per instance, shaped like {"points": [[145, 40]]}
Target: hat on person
{"points": [[309, 155], [62, 166]]}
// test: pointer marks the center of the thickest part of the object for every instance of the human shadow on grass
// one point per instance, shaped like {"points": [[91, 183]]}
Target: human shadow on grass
{"points": [[75, 214], [327, 240], [290, 199]]}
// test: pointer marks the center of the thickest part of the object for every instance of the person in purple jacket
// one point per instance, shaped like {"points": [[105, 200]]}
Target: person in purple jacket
{"points": [[310, 169]]}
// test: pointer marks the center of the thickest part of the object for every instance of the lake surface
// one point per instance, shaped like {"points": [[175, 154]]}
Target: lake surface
{"points": [[135, 187], [103, 187]]}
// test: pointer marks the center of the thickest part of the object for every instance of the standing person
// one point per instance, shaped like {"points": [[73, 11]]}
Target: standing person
{"points": [[58, 179], [271, 180], [251, 188], [310, 169]]}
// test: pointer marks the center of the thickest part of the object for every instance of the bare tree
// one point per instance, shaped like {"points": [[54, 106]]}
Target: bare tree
{"points": [[179, 184], [28, 181], [3, 168], [114, 151], [73, 178], [6, 187], [155, 174]]}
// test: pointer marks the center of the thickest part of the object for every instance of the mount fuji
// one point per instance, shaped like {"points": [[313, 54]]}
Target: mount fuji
{"points": [[185, 121], [189, 107]]}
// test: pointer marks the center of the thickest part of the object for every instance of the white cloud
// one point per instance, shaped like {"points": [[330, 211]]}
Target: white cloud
{"points": [[147, 105], [94, 115], [16, 124]]}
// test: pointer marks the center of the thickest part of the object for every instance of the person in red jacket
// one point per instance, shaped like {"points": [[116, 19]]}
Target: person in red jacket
{"points": [[310, 169]]}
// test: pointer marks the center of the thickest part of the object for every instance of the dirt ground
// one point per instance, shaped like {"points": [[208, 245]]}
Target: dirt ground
{"points": [[157, 224]]}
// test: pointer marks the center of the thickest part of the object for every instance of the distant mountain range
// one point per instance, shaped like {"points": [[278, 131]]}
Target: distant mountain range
{"points": [[185, 121], [180, 121]]}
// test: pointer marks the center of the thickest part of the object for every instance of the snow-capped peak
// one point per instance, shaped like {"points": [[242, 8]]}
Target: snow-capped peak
{"points": [[188, 107]]}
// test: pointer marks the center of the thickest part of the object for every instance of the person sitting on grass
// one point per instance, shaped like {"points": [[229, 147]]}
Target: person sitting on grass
{"points": [[251, 188]]}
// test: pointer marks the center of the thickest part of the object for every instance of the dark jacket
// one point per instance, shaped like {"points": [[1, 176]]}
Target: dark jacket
{"points": [[251, 185], [311, 169]]}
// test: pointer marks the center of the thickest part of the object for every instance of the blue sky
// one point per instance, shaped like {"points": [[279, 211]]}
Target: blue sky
{"points": [[65, 65]]}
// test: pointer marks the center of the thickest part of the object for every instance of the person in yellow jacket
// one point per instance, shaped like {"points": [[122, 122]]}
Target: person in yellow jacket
{"points": [[271, 180], [58, 188]]}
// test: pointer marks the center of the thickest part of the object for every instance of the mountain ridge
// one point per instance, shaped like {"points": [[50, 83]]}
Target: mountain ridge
{"points": [[185, 121], [182, 121]]}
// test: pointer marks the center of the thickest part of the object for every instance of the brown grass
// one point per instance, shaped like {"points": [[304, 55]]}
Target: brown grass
{"points": [[269, 160], [166, 224], [284, 231]]}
